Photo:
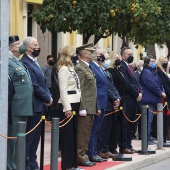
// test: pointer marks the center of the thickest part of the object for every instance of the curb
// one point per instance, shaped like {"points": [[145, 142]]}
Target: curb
{"points": [[143, 162]]}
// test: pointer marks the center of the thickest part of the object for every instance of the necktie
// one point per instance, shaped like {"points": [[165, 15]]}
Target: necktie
{"points": [[131, 70], [35, 61], [101, 69]]}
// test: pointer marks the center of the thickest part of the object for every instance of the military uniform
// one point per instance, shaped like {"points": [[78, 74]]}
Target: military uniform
{"points": [[21, 104]]}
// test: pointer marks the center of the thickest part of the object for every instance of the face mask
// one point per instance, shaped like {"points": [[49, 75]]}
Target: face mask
{"points": [[36, 52], [51, 63], [22, 49], [117, 62], [106, 63], [141, 68], [153, 65], [101, 58], [130, 59], [74, 59], [164, 65]]}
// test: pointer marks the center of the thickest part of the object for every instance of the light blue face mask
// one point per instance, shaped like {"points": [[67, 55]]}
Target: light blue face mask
{"points": [[141, 68], [106, 63], [153, 65]]}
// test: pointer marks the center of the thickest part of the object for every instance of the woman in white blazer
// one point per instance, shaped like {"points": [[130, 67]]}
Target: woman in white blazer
{"points": [[69, 101]]}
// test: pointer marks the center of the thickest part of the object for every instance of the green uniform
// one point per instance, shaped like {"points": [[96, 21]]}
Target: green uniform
{"points": [[22, 104]]}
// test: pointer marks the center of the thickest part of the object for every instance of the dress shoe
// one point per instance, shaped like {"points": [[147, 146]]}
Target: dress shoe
{"points": [[127, 151], [111, 155], [115, 152], [103, 155], [95, 158], [132, 149], [86, 163]]}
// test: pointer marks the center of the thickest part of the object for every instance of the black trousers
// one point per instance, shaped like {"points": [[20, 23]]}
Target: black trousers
{"points": [[32, 141], [69, 139], [114, 133]]}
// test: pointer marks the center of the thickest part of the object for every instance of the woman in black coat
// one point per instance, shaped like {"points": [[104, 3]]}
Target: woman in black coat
{"points": [[162, 71], [120, 85]]}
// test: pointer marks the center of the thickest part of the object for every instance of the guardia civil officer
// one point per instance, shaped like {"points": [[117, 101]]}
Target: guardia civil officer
{"points": [[22, 101]]}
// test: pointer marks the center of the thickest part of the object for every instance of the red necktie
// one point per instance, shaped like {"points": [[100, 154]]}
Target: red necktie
{"points": [[131, 70]]}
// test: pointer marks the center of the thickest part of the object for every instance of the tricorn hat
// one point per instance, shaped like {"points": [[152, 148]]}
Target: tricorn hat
{"points": [[88, 47], [13, 38]]}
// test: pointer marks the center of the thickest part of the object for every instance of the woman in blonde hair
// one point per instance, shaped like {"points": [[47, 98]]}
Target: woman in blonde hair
{"points": [[119, 81], [163, 71], [69, 102]]}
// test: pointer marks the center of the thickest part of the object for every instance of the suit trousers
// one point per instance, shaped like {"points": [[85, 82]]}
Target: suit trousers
{"points": [[97, 123], [32, 141], [69, 139], [130, 110], [84, 128], [11, 145], [102, 142], [114, 135]]}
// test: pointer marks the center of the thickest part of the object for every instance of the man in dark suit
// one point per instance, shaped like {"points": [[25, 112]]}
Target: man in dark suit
{"points": [[88, 102], [42, 99], [134, 95], [102, 97]]}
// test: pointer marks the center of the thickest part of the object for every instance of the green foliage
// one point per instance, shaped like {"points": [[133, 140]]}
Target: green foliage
{"points": [[143, 21]]}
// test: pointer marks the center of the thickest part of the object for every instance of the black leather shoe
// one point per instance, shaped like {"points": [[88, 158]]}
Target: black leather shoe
{"points": [[86, 163], [95, 158]]}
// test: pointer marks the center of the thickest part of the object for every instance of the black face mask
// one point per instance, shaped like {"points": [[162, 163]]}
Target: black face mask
{"points": [[117, 62], [36, 52], [130, 59], [74, 59], [101, 58], [51, 63], [164, 65]]}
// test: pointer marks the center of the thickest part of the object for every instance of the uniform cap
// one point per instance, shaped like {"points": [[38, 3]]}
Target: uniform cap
{"points": [[88, 47], [13, 38]]}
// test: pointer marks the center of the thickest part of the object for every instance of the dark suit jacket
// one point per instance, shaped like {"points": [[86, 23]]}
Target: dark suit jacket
{"points": [[120, 83], [55, 88], [132, 84], [41, 92], [166, 84], [101, 83]]}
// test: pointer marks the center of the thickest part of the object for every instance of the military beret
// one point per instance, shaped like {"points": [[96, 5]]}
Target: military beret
{"points": [[13, 38], [88, 47]]}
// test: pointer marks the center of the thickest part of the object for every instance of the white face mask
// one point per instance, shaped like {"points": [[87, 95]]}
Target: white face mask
{"points": [[106, 63]]}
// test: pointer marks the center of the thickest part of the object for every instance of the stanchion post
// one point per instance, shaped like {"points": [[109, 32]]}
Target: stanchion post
{"points": [[54, 144], [20, 152], [121, 156], [144, 130], [165, 117], [160, 126], [42, 143]]}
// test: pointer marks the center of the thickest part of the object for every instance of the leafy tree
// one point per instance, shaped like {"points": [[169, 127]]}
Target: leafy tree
{"points": [[152, 28], [100, 18]]}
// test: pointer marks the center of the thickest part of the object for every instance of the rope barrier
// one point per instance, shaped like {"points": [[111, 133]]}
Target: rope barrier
{"points": [[139, 115], [70, 117], [111, 113], [156, 112]]}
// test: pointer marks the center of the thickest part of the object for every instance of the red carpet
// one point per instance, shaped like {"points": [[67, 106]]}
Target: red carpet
{"points": [[98, 166]]}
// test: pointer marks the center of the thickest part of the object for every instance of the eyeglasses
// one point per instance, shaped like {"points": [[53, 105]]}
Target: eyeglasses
{"points": [[88, 53], [16, 44]]}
